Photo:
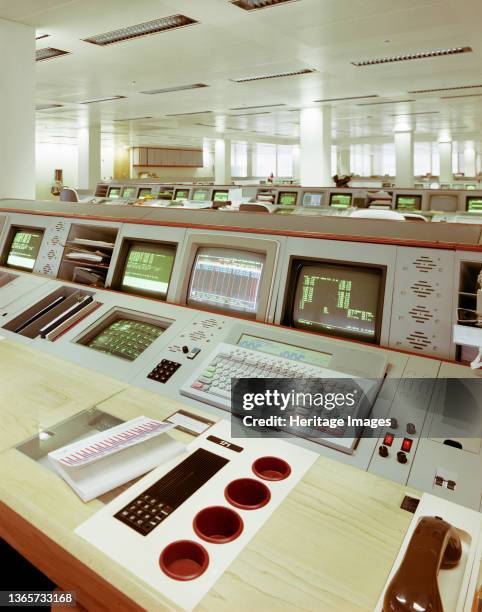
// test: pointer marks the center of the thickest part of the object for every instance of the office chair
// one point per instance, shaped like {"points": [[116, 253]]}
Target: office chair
{"points": [[69, 195]]}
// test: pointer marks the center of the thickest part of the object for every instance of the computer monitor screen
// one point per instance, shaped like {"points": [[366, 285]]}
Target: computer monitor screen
{"points": [[182, 194], [148, 268], [165, 194], [408, 202], [220, 196], [226, 279], [125, 338], [287, 198], [312, 199], [24, 248], [340, 200], [337, 299], [471, 187], [129, 192], [474, 204], [144, 191], [199, 195], [114, 192]]}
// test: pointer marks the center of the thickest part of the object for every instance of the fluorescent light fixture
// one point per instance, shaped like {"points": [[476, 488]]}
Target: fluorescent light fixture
{"points": [[187, 114], [242, 108], [387, 102], [131, 119], [171, 89], [42, 107], [252, 5], [141, 29], [251, 114], [348, 98], [421, 91], [462, 96], [40, 36], [412, 56], [48, 53], [95, 100], [261, 77], [418, 113]]}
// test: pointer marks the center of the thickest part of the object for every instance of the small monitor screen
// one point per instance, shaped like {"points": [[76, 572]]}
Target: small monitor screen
{"points": [[114, 192], [287, 198], [338, 299], [129, 192], [221, 196], [312, 199], [474, 204], [182, 194], [226, 279], [340, 200], [125, 338], [200, 195], [144, 192], [24, 248], [470, 187], [165, 194], [408, 202], [148, 268]]}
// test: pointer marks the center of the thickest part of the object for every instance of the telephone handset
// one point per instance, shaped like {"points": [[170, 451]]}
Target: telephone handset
{"points": [[434, 544]]}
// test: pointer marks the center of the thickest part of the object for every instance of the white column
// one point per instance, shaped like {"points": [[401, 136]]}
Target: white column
{"points": [[445, 158], [249, 165], [315, 147], [17, 110], [404, 159], [222, 162], [89, 157], [296, 163], [469, 159], [343, 158]]}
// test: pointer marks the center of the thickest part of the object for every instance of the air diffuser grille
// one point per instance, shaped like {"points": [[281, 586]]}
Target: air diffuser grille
{"points": [[48, 53], [412, 56]]}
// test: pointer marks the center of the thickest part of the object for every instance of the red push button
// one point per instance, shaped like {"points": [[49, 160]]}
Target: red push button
{"points": [[407, 445], [388, 439]]}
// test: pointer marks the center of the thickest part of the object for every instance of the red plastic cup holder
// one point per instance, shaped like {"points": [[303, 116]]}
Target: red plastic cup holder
{"points": [[184, 560], [271, 468], [247, 493], [218, 525]]}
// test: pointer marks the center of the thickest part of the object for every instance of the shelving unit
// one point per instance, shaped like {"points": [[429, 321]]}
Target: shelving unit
{"points": [[467, 301]]}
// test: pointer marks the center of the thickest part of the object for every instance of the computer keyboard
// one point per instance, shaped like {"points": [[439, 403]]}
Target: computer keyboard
{"points": [[211, 383]]}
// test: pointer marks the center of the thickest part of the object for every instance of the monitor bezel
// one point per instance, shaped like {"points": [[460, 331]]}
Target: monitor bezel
{"points": [[125, 247], [175, 199], [296, 264], [208, 191], [282, 193], [335, 194], [8, 245], [216, 191], [311, 193], [119, 187], [468, 199], [408, 195], [268, 247]]}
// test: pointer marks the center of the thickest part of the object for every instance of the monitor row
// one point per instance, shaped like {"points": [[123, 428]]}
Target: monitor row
{"points": [[398, 199]]}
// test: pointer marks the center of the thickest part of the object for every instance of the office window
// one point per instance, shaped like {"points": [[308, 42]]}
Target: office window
{"points": [[239, 159], [360, 159], [284, 161], [334, 161], [388, 159], [435, 159], [422, 158], [264, 159], [458, 162]]}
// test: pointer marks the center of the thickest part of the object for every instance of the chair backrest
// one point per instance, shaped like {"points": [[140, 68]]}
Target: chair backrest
{"points": [[69, 195]]}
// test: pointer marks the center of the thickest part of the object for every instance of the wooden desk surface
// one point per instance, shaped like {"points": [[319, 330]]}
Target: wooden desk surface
{"points": [[329, 546]]}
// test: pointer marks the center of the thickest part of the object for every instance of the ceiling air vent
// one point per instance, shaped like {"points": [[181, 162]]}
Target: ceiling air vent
{"points": [[171, 89], [412, 56], [461, 96], [386, 102], [422, 91], [261, 77], [243, 108], [48, 53], [348, 98], [156, 26], [42, 107], [207, 112], [95, 100], [252, 5]]}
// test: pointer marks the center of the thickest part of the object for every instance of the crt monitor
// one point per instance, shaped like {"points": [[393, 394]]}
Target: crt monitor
{"points": [[287, 198], [23, 248], [312, 199], [201, 195], [114, 192], [226, 279], [408, 202], [165, 194], [338, 299], [220, 195], [147, 268], [181, 194], [144, 192], [340, 200], [473, 203], [129, 192]]}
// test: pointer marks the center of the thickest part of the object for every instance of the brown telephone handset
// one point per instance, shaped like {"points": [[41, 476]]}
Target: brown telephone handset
{"points": [[434, 544]]}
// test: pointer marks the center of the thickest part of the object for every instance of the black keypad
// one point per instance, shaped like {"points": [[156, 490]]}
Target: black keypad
{"points": [[163, 371]]}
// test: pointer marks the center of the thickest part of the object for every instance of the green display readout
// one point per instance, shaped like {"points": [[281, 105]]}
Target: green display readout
{"points": [[24, 249], [182, 194], [114, 192], [129, 192], [126, 338], [408, 202], [287, 199], [474, 204], [338, 200], [200, 195], [148, 269], [221, 196], [341, 300]]}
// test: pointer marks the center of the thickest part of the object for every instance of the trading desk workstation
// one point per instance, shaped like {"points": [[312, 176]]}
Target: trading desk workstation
{"points": [[113, 312]]}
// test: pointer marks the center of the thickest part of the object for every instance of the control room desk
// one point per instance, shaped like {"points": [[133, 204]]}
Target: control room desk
{"points": [[329, 546]]}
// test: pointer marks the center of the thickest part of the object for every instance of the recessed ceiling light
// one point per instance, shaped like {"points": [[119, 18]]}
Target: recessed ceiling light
{"points": [[94, 100], [242, 108], [412, 56], [48, 53], [251, 5], [132, 119], [387, 102], [42, 107], [274, 76], [170, 89], [141, 29], [348, 98], [206, 112]]}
